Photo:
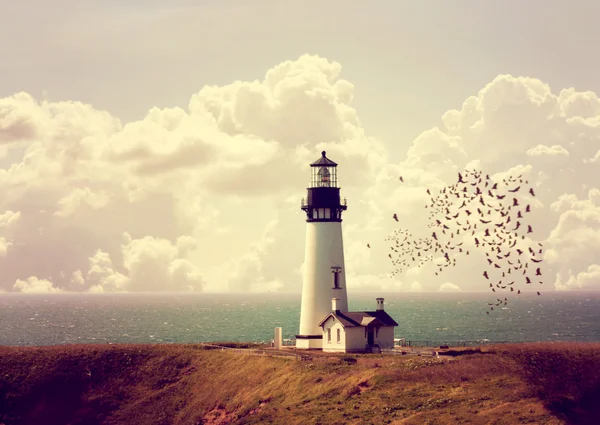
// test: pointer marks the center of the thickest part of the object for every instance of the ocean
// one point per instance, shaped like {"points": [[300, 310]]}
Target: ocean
{"points": [[424, 319]]}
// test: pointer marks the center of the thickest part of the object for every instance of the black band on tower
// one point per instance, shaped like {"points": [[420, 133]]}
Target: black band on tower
{"points": [[323, 201], [323, 204]]}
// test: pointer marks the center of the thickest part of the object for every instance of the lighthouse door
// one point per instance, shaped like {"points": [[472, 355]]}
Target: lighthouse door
{"points": [[370, 337]]}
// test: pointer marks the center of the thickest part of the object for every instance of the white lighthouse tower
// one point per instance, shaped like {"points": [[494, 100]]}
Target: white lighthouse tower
{"points": [[324, 272]]}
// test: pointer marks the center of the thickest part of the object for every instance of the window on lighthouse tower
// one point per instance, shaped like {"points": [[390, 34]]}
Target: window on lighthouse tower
{"points": [[324, 177], [336, 278]]}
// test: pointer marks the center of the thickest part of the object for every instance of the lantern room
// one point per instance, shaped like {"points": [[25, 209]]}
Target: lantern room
{"points": [[324, 172]]}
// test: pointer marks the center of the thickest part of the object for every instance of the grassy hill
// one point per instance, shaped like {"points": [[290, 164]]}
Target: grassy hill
{"points": [[187, 384]]}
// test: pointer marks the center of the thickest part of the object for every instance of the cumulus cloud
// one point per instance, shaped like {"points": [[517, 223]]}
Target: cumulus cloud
{"points": [[82, 179], [155, 264], [588, 279], [543, 150], [575, 240], [516, 126], [149, 265], [35, 285], [449, 287], [7, 220], [101, 275], [196, 197], [17, 119], [247, 273], [68, 205], [4, 244], [415, 286]]}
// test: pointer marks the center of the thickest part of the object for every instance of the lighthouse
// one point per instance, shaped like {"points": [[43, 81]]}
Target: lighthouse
{"points": [[324, 270]]}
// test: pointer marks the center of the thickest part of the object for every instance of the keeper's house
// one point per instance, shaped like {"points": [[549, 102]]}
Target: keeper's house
{"points": [[357, 332]]}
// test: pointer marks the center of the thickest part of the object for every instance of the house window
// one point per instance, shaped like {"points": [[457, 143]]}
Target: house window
{"points": [[328, 334], [339, 335]]}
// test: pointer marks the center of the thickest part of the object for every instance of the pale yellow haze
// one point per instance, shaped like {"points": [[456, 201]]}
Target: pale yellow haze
{"points": [[164, 146]]}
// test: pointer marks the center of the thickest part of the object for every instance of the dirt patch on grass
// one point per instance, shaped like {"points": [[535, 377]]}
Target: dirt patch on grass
{"points": [[218, 416]]}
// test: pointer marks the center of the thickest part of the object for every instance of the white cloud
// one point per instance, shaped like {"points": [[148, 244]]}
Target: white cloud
{"points": [[8, 218], [79, 198], [416, 286], [36, 285], [18, 119], [449, 287], [149, 265], [512, 126], [540, 150], [175, 173], [588, 279], [574, 240], [247, 273], [154, 265], [77, 279], [205, 192], [101, 275], [172, 173], [4, 244]]}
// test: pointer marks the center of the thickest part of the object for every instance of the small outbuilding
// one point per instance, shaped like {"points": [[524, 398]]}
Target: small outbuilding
{"points": [[357, 332]]}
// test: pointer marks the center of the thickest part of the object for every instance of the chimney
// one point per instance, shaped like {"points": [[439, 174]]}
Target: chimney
{"points": [[334, 306], [379, 304]]}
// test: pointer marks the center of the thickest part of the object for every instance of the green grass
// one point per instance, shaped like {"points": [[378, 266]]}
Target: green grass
{"points": [[186, 384]]}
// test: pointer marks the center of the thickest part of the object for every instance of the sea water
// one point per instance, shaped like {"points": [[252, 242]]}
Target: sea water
{"points": [[424, 319]]}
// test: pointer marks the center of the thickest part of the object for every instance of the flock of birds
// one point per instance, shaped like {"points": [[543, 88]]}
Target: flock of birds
{"points": [[476, 213]]}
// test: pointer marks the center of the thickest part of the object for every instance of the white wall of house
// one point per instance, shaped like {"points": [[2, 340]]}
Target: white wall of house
{"points": [[356, 339], [351, 339], [331, 343], [385, 337]]}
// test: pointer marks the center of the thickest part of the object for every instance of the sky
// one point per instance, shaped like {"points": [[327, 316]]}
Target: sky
{"points": [[150, 146]]}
